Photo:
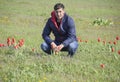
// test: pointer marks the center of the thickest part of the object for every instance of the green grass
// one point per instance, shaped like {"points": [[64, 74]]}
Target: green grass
{"points": [[26, 19]]}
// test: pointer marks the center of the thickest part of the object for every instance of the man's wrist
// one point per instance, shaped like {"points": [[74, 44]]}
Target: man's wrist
{"points": [[62, 45], [51, 43]]}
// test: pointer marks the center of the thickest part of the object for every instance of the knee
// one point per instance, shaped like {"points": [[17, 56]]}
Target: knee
{"points": [[44, 46], [73, 45]]}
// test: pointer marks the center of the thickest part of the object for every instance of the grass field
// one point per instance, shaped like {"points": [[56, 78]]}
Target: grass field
{"points": [[94, 61]]}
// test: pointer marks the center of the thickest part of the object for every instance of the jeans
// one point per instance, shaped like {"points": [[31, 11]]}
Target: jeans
{"points": [[71, 48]]}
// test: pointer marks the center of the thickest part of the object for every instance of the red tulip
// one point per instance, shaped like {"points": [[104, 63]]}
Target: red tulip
{"points": [[0, 45], [13, 41], [110, 42], [102, 65], [78, 39], [33, 49], [99, 39], [16, 47], [21, 42], [86, 41], [8, 41], [3, 45], [104, 42], [119, 52], [112, 49], [114, 42], [117, 38]]}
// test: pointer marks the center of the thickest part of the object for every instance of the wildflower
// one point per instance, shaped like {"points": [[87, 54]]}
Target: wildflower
{"points": [[45, 78], [86, 41], [55, 52], [78, 39], [8, 41], [102, 65], [112, 49], [21, 43], [119, 52], [2, 45], [99, 39], [114, 42], [33, 49], [110, 42], [16, 47], [117, 38], [13, 41], [22, 40], [104, 42], [40, 81]]}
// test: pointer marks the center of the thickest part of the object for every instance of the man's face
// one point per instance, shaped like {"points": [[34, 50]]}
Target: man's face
{"points": [[59, 13]]}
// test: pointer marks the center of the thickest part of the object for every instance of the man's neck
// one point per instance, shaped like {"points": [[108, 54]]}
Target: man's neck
{"points": [[58, 20]]}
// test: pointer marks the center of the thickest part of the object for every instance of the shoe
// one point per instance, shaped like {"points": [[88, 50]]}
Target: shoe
{"points": [[69, 55]]}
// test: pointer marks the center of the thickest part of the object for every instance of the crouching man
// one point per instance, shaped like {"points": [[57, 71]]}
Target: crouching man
{"points": [[63, 28]]}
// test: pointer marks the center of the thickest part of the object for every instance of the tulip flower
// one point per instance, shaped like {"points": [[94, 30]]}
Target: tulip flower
{"points": [[21, 42], [33, 49], [112, 49], [104, 42], [0, 45], [80, 40], [8, 41], [110, 42], [99, 39], [117, 38], [86, 41], [114, 42], [16, 47], [13, 41], [119, 52], [102, 65]]}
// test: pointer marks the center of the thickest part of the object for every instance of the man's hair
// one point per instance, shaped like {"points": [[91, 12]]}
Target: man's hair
{"points": [[58, 6]]}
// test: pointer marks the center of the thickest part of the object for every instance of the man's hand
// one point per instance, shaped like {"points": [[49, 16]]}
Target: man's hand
{"points": [[59, 47], [56, 48], [53, 45]]}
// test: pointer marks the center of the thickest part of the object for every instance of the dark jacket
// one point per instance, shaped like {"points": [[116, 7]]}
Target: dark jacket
{"points": [[64, 34]]}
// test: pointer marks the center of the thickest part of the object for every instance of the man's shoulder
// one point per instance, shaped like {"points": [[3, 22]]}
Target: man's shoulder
{"points": [[48, 19], [68, 17]]}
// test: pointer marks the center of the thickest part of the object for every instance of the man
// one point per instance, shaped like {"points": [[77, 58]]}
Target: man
{"points": [[63, 28]]}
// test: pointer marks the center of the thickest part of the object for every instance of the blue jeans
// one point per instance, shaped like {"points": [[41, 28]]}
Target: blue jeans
{"points": [[71, 48]]}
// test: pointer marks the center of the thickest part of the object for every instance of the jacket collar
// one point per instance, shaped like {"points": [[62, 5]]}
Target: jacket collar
{"points": [[53, 19]]}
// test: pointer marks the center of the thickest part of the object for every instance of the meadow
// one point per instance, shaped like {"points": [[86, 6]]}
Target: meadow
{"points": [[96, 60]]}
